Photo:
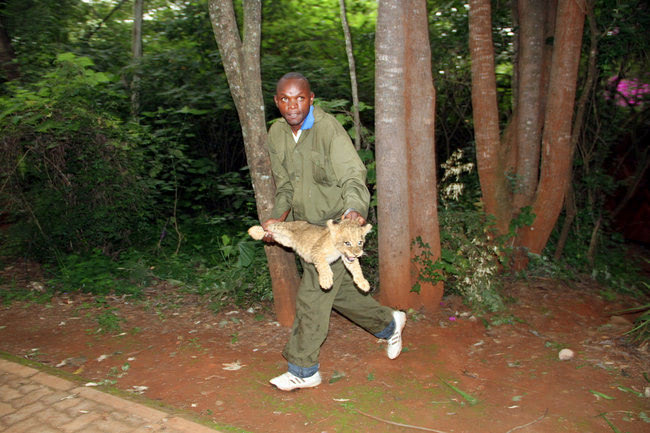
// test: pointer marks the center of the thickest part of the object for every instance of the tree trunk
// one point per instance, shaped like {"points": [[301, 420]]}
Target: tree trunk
{"points": [[529, 117], [241, 62], [406, 178], [353, 76], [556, 140], [136, 53], [570, 208], [490, 157], [539, 157]]}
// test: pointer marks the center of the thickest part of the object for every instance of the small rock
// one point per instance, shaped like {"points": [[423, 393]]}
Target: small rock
{"points": [[566, 354]]}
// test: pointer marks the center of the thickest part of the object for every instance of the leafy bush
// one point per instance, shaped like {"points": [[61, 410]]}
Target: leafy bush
{"points": [[469, 260], [68, 172]]}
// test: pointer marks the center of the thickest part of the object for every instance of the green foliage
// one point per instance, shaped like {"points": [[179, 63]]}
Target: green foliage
{"points": [[224, 267], [68, 173], [470, 259], [95, 273], [14, 293], [109, 322]]}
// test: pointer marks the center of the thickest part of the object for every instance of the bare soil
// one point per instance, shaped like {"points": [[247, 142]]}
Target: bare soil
{"points": [[457, 372]]}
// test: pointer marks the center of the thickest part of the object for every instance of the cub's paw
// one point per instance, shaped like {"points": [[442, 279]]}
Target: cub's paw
{"points": [[256, 232], [326, 280], [363, 284]]}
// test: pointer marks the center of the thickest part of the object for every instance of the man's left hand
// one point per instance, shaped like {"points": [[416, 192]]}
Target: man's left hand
{"points": [[355, 216]]}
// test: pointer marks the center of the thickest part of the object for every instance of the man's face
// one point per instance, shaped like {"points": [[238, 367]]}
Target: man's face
{"points": [[293, 98]]}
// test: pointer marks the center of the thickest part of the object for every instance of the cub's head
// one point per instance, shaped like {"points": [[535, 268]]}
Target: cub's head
{"points": [[349, 237]]}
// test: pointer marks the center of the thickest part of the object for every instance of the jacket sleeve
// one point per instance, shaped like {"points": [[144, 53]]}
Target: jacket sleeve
{"points": [[350, 173], [283, 187]]}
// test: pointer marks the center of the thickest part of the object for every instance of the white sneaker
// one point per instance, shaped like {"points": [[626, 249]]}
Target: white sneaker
{"points": [[394, 347], [289, 382]]}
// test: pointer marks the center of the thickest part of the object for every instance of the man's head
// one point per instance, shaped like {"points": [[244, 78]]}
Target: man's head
{"points": [[293, 97]]}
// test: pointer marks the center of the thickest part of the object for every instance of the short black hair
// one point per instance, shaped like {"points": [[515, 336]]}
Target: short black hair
{"points": [[293, 76]]}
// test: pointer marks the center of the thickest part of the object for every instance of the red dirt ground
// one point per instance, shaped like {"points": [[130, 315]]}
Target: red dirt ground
{"points": [[174, 345]]}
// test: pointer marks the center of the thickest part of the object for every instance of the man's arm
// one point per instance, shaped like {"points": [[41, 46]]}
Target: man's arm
{"points": [[283, 187], [351, 176]]}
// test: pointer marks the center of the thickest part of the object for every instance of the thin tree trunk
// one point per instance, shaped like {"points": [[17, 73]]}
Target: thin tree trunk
{"points": [[556, 141], [353, 76], [570, 212], [406, 180], [486, 115], [529, 118], [593, 242], [241, 62], [581, 108], [136, 53]]}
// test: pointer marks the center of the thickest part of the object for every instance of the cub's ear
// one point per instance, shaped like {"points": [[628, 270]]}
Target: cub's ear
{"points": [[330, 224], [367, 228]]}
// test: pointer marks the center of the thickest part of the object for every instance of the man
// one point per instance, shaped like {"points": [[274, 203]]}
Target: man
{"points": [[319, 176]]}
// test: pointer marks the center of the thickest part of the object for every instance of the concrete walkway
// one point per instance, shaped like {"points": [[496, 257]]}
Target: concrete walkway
{"points": [[32, 401]]}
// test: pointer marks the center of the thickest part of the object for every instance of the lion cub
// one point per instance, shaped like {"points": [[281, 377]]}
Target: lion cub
{"points": [[323, 246]]}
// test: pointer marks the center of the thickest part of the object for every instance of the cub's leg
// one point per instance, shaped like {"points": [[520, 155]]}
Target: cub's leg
{"points": [[325, 274], [357, 274]]}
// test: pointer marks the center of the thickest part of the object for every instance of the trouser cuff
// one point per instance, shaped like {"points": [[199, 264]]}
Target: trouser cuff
{"points": [[303, 372], [387, 332]]}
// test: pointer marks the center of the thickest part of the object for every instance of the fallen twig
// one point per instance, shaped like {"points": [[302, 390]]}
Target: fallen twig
{"points": [[530, 423], [397, 423]]}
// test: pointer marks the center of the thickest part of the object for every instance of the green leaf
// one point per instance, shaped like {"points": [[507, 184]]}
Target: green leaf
{"points": [[470, 399], [246, 253], [601, 395], [630, 390]]}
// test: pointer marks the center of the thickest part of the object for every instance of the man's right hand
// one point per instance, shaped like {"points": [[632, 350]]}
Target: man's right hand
{"points": [[268, 237]]}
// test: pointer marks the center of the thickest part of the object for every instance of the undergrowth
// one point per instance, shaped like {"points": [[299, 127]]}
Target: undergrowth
{"points": [[224, 266]]}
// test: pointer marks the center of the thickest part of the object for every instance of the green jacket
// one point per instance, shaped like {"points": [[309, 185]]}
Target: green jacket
{"points": [[321, 176]]}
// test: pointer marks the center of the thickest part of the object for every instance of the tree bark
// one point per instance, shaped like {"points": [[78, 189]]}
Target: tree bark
{"points": [[529, 117], [535, 146], [490, 157], [556, 139], [406, 178], [241, 62], [353, 76], [136, 54], [570, 208]]}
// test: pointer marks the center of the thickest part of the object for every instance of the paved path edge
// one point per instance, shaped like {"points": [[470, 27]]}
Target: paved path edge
{"points": [[112, 396]]}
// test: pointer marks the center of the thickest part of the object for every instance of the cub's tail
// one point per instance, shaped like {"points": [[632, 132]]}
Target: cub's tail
{"points": [[256, 232]]}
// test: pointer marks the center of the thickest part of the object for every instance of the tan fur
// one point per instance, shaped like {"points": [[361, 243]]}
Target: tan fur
{"points": [[323, 246]]}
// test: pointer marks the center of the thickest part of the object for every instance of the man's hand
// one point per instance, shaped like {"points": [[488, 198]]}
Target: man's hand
{"points": [[268, 237], [355, 216]]}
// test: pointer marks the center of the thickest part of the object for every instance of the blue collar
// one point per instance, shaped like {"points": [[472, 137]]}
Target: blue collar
{"points": [[309, 120]]}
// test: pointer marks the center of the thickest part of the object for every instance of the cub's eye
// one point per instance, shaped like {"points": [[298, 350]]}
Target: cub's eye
{"points": [[360, 243], [348, 244]]}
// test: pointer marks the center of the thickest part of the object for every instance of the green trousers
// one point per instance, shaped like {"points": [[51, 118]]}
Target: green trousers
{"points": [[314, 306]]}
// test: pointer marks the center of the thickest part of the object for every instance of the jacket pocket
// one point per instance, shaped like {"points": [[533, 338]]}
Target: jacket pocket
{"points": [[320, 169]]}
